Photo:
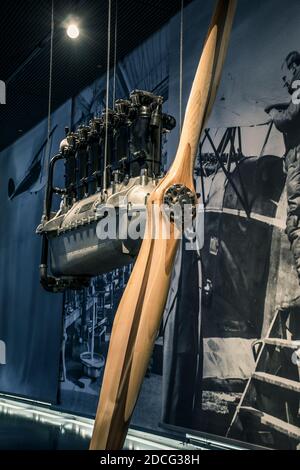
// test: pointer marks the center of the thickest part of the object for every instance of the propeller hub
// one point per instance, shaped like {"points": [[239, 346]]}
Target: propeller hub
{"points": [[179, 199]]}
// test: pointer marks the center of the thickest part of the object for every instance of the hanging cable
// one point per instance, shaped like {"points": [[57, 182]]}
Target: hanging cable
{"points": [[115, 53], [107, 97], [50, 71], [181, 66], [49, 98]]}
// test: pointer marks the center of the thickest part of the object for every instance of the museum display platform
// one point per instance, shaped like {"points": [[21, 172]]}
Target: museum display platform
{"points": [[29, 425]]}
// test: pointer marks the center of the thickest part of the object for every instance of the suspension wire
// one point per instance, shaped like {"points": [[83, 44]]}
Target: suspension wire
{"points": [[49, 96], [107, 96], [181, 66], [115, 52], [50, 70]]}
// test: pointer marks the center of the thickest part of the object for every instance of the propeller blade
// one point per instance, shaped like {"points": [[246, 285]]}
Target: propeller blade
{"points": [[140, 311]]}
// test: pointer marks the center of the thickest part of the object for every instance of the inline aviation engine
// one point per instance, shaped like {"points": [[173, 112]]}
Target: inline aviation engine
{"points": [[114, 161]]}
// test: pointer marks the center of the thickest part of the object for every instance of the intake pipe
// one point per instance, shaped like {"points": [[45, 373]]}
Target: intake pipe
{"points": [[50, 284]]}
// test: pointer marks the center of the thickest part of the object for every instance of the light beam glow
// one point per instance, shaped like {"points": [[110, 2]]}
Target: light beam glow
{"points": [[73, 31]]}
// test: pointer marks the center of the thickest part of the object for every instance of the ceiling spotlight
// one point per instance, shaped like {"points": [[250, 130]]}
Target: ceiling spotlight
{"points": [[73, 31]]}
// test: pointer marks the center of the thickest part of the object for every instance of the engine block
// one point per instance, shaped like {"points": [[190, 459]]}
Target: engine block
{"points": [[114, 161]]}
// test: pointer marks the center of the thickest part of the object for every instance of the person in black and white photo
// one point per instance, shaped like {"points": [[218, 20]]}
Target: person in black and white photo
{"points": [[286, 118]]}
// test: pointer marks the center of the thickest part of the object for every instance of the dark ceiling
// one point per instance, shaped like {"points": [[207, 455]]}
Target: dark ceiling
{"points": [[25, 51]]}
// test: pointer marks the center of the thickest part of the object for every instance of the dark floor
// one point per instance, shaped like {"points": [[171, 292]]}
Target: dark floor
{"points": [[17, 433]]}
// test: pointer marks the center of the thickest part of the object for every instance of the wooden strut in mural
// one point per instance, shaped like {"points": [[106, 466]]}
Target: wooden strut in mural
{"points": [[139, 315]]}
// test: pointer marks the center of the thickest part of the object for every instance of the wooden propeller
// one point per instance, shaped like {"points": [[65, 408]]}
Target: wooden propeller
{"points": [[140, 311]]}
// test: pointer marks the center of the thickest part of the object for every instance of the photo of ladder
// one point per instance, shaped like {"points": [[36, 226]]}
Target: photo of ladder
{"points": [[269, 411]]}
